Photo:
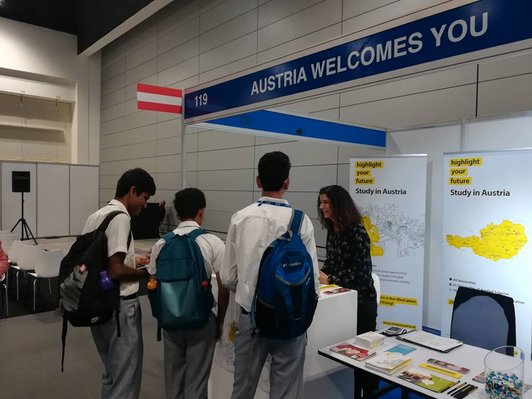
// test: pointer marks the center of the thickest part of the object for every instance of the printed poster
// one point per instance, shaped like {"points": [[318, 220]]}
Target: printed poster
{"points": [[390, 192], [487, 227]]}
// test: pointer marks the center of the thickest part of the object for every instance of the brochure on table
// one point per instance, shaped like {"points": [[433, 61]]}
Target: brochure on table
{"points": [[390, 192], [487, 231]]}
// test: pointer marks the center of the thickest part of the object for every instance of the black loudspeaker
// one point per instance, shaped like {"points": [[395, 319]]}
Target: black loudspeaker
{"points": [[20, 181]]}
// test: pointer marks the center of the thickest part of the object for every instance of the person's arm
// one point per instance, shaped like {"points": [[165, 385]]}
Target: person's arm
{"points": [[120, 272], [223, 301], [310, 244], [228, 271]]}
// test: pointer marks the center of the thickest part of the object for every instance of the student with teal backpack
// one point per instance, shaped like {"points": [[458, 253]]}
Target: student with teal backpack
{"points": [[181, 265]]}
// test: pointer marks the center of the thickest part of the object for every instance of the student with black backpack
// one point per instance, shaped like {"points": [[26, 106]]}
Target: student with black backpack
{"points": [[120, 344], [270, 262], [183, 263]]}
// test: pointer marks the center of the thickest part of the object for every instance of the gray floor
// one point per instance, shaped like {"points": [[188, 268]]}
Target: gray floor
{"points": [[30, 365]]}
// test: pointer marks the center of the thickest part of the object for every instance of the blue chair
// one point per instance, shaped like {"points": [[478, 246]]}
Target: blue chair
{"points": [[483, 319]]}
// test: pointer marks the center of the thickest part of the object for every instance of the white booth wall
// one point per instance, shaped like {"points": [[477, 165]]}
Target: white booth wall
{"points": [[61, 198]]}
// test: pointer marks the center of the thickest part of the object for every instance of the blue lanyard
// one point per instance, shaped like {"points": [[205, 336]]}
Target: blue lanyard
{"points": [[273, 203]]}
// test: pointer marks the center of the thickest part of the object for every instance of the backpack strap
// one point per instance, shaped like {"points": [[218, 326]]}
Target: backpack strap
{"points": [[63, 341], [296, 221], [196, 233], [105, 224]]}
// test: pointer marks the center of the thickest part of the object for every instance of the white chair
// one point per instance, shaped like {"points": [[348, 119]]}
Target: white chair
{"points": [[26, 257], [46, 266], [377, 285], [7, 239]]}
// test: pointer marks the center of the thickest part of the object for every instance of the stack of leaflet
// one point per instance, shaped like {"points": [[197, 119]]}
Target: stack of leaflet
{"points": [[369, 340], [388, 362]]}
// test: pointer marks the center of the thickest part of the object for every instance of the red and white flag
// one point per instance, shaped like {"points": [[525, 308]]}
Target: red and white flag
{"points": [[157, 98]]}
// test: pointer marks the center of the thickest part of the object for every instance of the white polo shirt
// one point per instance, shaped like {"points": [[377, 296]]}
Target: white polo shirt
{"points": [[251, 230], [117, 235]]}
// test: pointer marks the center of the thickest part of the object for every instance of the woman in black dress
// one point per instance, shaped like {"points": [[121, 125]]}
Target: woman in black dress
{"points": [[348, 259]]}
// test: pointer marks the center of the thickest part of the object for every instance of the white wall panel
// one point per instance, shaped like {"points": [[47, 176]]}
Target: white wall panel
{"points": [[319, 16], [230, 201], [437, 107], [139, 119], [239, 158], [178, 36], [113, 98], [355, 8], [505, 67], [213, 140], [237, 49], [141, 71], [275, 10], [235, 179], [53, 187], [83, 195], [223, 13], [229, 31], [178, 54], [178, 72], [113, 70], [505, 95], [169, 146], [499, 134], [312, 178], [113, 112], [227, 69], [302, 153], [142, 55], [296, 44], [114, 84]]}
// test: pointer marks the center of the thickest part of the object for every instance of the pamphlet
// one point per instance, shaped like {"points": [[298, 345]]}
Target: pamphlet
{"points": [[353, 351], [426, 380], [403, 349], [336, 290], [430, 341], [388, 362], [448, 366]]}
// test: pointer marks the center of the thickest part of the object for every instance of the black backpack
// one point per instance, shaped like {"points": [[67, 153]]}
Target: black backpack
{"points": [[83, 302]]}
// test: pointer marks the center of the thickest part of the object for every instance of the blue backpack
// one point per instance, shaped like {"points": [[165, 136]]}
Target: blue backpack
{"points": [[285, 298], [183, 298]]}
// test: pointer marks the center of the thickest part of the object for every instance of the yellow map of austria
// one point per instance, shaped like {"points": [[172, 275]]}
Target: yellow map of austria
{"points": [[496, 241]]}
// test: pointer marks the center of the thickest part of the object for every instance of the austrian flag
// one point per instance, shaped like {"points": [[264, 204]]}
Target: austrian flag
{"points": [[157, 98]]}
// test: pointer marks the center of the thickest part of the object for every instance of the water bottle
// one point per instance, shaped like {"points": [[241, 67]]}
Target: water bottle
{"points": [[105, 281]]}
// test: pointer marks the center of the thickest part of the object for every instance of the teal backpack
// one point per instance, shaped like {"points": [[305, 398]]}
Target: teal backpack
{"points": [[183, 298]]}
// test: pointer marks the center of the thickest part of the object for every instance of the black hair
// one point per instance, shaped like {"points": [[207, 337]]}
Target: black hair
{"points": [[138, 178], [274, 169], [342, 207], [188, 202]]}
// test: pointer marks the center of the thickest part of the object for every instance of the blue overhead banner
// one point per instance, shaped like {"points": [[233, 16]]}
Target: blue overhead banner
{"points": [[472, 27], [300, 126]]}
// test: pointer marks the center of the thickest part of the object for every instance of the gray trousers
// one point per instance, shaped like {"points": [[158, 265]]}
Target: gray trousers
{"points": [[286, 370], [188, 360], [121, 356]]}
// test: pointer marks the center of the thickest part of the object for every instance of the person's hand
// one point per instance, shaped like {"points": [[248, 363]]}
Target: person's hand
{"points": [[141, 261], [324, 279]]}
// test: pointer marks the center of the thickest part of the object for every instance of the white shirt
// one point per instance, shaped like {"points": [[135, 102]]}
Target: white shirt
{"points": [[212, 248], [117, 235], [251, 230]]}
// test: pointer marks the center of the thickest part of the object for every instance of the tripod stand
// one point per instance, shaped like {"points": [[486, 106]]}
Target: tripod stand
{"points": [[25, 231]]}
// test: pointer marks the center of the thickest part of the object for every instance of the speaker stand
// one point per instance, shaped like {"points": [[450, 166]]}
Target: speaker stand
{"points": [[25, 231]]}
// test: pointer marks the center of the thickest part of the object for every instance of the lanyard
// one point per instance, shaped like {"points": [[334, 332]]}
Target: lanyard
{"points": [[273, 203]]}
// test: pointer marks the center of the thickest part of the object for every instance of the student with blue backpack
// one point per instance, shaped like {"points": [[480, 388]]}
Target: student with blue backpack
{"points": [[181, 298], [270, 262]]}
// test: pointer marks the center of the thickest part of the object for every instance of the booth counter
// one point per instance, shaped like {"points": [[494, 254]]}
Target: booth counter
{"points": [[334, 321]]}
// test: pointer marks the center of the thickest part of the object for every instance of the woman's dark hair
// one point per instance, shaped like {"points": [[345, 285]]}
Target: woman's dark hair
{"points": [[342, 207], [138, 178], [188, 202]]}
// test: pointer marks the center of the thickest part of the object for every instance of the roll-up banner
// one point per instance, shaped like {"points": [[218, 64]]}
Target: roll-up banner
{"points": [[487, 223], [390, 192]]}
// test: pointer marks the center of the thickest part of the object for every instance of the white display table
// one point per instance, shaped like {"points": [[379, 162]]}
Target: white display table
{"points": [[334, 320]]}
